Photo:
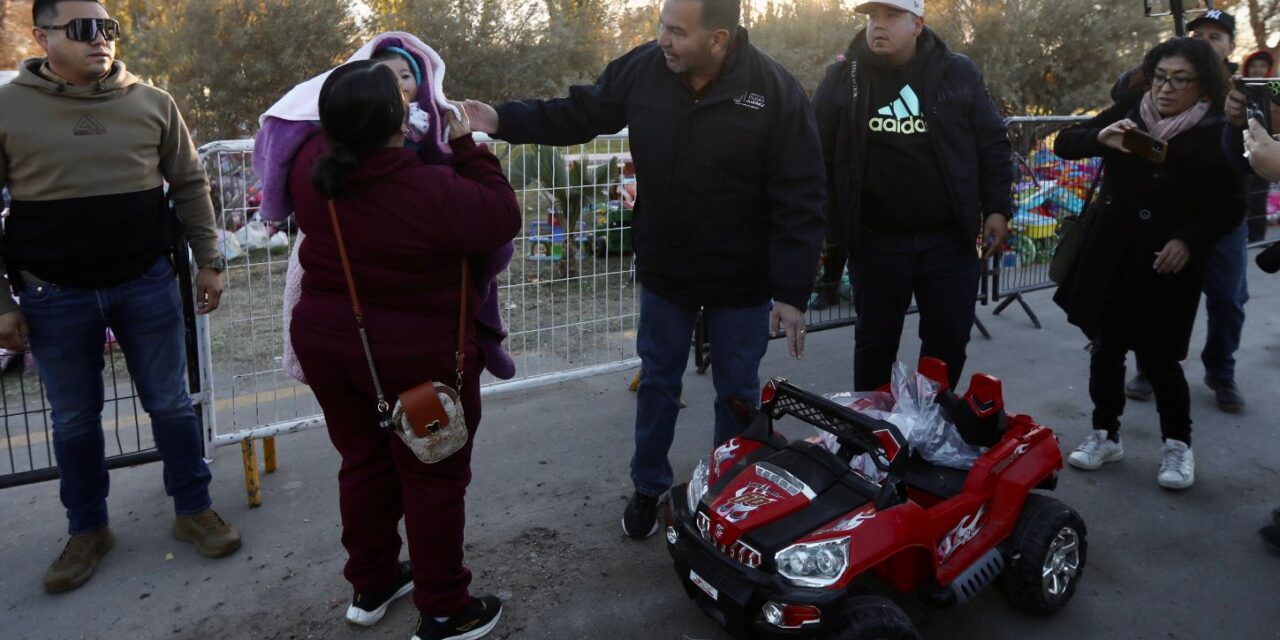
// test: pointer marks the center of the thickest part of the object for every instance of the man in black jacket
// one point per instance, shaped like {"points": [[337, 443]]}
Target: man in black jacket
{"points": [[918, 166], [728, 214]]}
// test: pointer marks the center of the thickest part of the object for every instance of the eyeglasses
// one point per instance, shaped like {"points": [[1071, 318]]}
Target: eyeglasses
{"points": [[86, 29], [1177, 83]]}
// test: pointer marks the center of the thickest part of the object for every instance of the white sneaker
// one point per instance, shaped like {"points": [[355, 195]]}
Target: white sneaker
{"points": [[1096, 450], [1178, 468]]}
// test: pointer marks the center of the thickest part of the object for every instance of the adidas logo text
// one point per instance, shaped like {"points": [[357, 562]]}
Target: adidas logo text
{"points": [[901, 116], [906, 126]]}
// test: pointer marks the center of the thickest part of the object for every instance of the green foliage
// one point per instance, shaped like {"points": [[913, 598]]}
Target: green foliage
{"points": [[804, 36], [570, 185], [226, 61], [1033, 62]]}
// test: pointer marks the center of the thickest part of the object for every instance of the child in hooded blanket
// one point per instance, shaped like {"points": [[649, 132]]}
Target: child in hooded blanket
{"points": [[295, 118]]}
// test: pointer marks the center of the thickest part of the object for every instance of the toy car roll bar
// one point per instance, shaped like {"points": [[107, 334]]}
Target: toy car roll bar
{"points": [[856, 433]]}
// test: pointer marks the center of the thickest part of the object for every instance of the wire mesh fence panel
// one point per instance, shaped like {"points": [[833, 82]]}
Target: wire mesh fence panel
{"points": [[1046, 189], [27, 422], [568, 297], [245, 335]]}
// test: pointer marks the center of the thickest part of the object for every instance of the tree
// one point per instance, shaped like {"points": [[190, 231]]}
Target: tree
{"points": [[1033, 64], [15, 33], [580, 32], [227, 61], [637, 25], [804, 36], [491, 48], [1263, 15]]}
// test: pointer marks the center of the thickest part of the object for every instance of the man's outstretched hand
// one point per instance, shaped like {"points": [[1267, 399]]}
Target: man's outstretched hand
{"points": [[484, 118]]}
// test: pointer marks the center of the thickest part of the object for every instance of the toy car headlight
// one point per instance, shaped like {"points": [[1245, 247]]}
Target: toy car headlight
{"points": [[698, 484], [814, 564]]}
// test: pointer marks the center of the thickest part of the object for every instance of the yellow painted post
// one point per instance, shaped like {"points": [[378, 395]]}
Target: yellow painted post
{"points": [[269, 454], [250, 459]]}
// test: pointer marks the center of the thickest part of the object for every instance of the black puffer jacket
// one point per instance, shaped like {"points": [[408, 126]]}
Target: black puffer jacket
{"points": [[729, 209], [970, 139]]}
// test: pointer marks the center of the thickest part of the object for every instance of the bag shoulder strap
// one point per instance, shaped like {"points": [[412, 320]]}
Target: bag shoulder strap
{"points": [[459, 354], [384, 408]]}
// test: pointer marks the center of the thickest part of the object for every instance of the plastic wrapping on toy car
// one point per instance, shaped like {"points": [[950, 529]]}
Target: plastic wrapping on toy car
{"points": [[911, 407]]}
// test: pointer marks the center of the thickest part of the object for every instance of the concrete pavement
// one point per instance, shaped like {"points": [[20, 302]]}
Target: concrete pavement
{"points": [[551, 481]]}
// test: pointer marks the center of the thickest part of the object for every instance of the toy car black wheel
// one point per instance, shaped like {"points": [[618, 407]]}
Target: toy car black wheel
{"points": [[1046, 556], [874, 618], [601, 247]]}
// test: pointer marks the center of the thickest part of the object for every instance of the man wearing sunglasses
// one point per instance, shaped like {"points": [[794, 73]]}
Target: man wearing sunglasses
{"points": [[85, 148]]}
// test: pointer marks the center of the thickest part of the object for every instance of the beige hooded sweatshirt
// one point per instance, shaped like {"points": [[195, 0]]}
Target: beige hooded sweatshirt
{"points": [[85, 166]]}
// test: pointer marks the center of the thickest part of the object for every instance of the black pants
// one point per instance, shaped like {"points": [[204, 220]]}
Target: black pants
{"points": [[941, 271], [833, 262], [1106, 387]]}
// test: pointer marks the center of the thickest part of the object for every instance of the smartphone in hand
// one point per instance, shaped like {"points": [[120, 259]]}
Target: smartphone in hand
{"points": [[1146, 146], [1260, 94]]}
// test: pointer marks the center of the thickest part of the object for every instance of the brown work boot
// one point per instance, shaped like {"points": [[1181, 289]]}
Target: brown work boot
{"points": [[78, 560], [212, 536]]}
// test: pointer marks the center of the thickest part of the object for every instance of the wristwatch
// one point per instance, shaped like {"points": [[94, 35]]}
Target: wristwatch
{"points": [[218, 264]]}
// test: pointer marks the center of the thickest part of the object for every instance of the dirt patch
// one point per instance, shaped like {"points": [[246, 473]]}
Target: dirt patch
{"points": [[529, 573]]}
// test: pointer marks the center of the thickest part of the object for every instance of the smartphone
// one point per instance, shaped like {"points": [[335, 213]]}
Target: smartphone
{"points": [[1144, 145], [1260, 94]]}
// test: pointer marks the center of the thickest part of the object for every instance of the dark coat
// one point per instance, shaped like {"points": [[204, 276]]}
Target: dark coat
{"points": [[729, 209], [407, 226], [970, 139], [1194, 196]]}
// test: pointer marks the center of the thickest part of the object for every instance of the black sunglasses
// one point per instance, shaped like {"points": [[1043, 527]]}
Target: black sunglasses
{"points": [[86, 29]]}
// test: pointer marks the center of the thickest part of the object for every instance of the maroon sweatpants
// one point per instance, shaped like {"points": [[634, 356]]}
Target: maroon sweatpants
{"points": [[381, 480]]}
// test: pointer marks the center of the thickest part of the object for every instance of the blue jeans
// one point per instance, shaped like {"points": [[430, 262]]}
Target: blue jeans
{"points": [[941, 271], [739, 339], [68, 327], [1225, 292]]}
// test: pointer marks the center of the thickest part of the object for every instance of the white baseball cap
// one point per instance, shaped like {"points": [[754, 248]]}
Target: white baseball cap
{"points": [[910, 6]]}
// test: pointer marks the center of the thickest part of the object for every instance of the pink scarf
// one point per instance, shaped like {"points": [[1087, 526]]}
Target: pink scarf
{"points": [[1167, 128]]}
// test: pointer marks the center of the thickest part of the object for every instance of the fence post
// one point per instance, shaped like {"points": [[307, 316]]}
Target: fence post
{"points": [[251, 482]]}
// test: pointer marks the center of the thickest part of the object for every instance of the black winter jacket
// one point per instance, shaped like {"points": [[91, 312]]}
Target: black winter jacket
{"points": [[730, 185], [1194, 196], [970, 139]]}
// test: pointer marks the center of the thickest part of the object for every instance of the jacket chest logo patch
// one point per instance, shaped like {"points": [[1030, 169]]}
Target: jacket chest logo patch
{"points": [[903, 115], [89, 126], [750, 100]]}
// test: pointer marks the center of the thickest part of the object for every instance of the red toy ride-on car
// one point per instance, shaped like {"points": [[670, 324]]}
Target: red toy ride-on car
{"points": [[775, 539]]}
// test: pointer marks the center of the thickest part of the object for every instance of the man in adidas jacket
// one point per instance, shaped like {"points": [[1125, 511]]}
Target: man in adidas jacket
{"points": [[728, 215], [85, 148], [918, 168]]}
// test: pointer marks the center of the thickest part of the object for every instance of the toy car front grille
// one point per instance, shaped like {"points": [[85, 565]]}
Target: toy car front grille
{"points": [[740, 551]]}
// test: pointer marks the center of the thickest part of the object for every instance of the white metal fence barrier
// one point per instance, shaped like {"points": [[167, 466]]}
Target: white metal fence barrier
{"points": [[568, 297]]}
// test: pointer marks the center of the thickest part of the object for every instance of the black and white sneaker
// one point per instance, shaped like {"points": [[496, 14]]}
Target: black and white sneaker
{"points": [[476, 622], [368, 608], [640, 520]]}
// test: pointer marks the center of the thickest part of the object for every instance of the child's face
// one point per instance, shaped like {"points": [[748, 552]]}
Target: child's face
{"points": [[408, 84]]}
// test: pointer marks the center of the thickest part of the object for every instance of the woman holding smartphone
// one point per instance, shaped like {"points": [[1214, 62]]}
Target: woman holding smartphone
{"points": [[1168, 193]]}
